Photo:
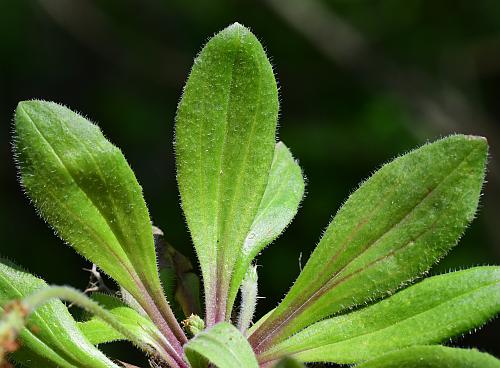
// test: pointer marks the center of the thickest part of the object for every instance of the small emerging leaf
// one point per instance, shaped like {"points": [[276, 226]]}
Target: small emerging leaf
{"points": [[391, 230], [433, 357], [222, 345], [51, 336], [225, 138], [430, 312], [194, 324]]}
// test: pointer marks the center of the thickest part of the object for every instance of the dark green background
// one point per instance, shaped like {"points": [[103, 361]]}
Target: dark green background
{"points": [[360, 82]]}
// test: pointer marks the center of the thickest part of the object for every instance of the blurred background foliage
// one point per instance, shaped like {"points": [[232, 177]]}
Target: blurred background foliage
{"points": [[360, 82]]}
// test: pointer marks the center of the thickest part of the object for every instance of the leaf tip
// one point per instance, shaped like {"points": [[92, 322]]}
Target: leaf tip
{"points": [[236, 27], [474, 140], [28, 105], [237, 31], [477, 138], [471, 143], [28, 110], [478, 141], [21, 107]]}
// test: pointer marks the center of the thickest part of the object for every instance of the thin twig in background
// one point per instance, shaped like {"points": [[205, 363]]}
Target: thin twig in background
{"points": [[83, 20]]}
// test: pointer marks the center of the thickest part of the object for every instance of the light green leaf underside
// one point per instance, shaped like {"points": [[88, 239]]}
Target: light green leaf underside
{"points": [[82, 186], [225, 138], [430, 312], [223, 346], [284, 191], [99, 332], [433, 357], [392, 229], [55, 339]]}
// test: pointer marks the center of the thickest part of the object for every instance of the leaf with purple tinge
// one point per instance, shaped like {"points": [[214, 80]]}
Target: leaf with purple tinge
{"points": [[82, 185], [391, 230], [430, 312]]}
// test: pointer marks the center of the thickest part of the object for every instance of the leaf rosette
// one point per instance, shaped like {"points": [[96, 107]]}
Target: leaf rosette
{"points": [[239, 190]]}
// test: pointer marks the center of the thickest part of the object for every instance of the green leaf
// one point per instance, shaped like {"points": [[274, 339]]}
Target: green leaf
{"points": [[82, 186], [222, 345], [433, 357], [392, 229], [430, 312], [99, 332], [259, 322], [225, 138], [51, 336], [284, 191]]}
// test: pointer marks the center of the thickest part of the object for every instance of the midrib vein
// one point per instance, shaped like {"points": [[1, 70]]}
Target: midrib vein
{"points": [[218, 251], [119, 236], [238, 184]]}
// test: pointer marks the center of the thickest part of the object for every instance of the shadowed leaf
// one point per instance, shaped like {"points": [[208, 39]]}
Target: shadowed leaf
{"points": [[178, 277], [289, 363]]}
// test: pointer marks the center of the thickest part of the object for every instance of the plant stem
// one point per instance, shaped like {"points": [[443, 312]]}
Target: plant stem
{"points": [[167, 313], [170, 342]]}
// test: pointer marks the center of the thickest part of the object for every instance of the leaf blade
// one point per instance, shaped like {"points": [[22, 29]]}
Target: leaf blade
{"points": [[433, 357], [225, 137], [84, 188], [430, 312], [65, 156], [222, 345], [392, 229], [180, 283]]}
